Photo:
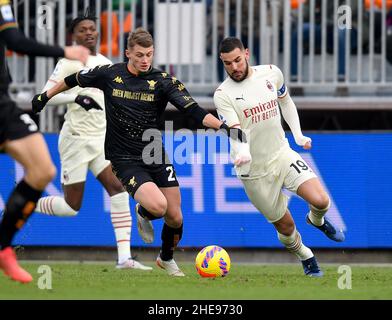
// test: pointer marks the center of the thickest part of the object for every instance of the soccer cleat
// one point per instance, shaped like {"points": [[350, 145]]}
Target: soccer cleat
{"points": [[329, 230], [311, 268], [144, 227], [9, 265], [132, 264], [170, 266]]}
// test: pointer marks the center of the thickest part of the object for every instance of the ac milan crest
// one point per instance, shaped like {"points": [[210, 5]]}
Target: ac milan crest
{"points": [[269, 86]]}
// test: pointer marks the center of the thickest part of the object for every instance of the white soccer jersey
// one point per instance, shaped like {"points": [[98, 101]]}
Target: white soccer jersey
{"points": [[253, 104], [79, 122]]}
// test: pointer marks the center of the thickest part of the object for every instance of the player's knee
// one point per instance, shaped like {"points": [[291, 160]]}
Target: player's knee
{"points": [[41, 176], [47, 174], [285, 227], [158, 208], [51, 173], [115, 188], [175, 221], [321, 201]]}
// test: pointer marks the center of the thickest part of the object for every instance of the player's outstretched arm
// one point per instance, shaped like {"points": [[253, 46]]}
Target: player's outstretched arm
{"points": [[18, 42], [289, 110], [290, 115], [40, 100], [86, 79]]}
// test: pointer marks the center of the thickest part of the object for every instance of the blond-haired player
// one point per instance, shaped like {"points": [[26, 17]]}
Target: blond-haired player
{"points": [[249, 99], [81, 145]]}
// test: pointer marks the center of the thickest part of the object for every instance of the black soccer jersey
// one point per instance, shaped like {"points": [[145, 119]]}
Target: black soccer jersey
{"points": [[133, 105], [6, 21]]}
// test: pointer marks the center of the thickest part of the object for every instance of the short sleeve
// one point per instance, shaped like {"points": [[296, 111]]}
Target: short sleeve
{"points": [[225, 108]]}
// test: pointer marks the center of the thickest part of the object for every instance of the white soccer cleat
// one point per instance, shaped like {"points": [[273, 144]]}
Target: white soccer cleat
{"points": [[144, 227], [170, 266], [132, 264]]}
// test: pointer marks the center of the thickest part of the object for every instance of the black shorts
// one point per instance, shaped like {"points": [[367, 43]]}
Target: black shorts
{"points": [[14, 122], [133, 174]]}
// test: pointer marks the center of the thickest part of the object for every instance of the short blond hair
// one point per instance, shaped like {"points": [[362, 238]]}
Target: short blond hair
{"points": [[140, 37]]}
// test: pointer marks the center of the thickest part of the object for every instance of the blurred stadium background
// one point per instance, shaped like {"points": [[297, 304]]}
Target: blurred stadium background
{"points": [[340, 79]]}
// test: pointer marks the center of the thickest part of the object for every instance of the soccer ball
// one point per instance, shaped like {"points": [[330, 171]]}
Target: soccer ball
{"points": [[212, 262]]}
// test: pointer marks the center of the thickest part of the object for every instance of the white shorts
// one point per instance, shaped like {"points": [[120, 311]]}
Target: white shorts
{"points": [[288, 170], [79, 155]]}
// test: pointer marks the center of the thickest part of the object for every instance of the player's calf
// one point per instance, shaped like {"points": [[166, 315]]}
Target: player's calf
{"points": [[19, 207], [55, 206], [318, 210]]}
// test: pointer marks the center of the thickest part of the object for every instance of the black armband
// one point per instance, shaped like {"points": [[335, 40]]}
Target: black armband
{"points": [[71, 81], [196, 112], [234, 133]]}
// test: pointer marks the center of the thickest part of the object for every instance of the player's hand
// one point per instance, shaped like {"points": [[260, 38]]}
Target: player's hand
{"points": [[77, 53], [242, 155], [304, 142], [39, 102], [243, 160], [87, 103]]}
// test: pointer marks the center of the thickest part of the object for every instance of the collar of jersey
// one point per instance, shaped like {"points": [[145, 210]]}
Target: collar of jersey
{"points": [[141, 73]]}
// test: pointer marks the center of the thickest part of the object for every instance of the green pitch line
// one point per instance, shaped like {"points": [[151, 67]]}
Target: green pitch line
{"points": [[103, 281]]}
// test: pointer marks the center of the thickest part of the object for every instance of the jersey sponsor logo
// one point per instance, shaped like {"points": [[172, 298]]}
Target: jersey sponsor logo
{"points": [[152, 84], [263, 111], [118, 79], [269, 85], [282, 90], [131, 95], [6, 13]]}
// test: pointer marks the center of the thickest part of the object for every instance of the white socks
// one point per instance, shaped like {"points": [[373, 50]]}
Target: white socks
{"points": [[55, 206], [122, 222], [119, 212], [316, 216], [294, 244]]}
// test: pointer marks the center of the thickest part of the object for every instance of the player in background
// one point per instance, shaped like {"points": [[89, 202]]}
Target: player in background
{"points": [[81, 145], [249, 99], [136, 95], [20, 138]]}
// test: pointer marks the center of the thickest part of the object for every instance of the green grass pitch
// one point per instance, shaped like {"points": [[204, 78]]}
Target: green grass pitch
{"points": [[250, 282]]}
